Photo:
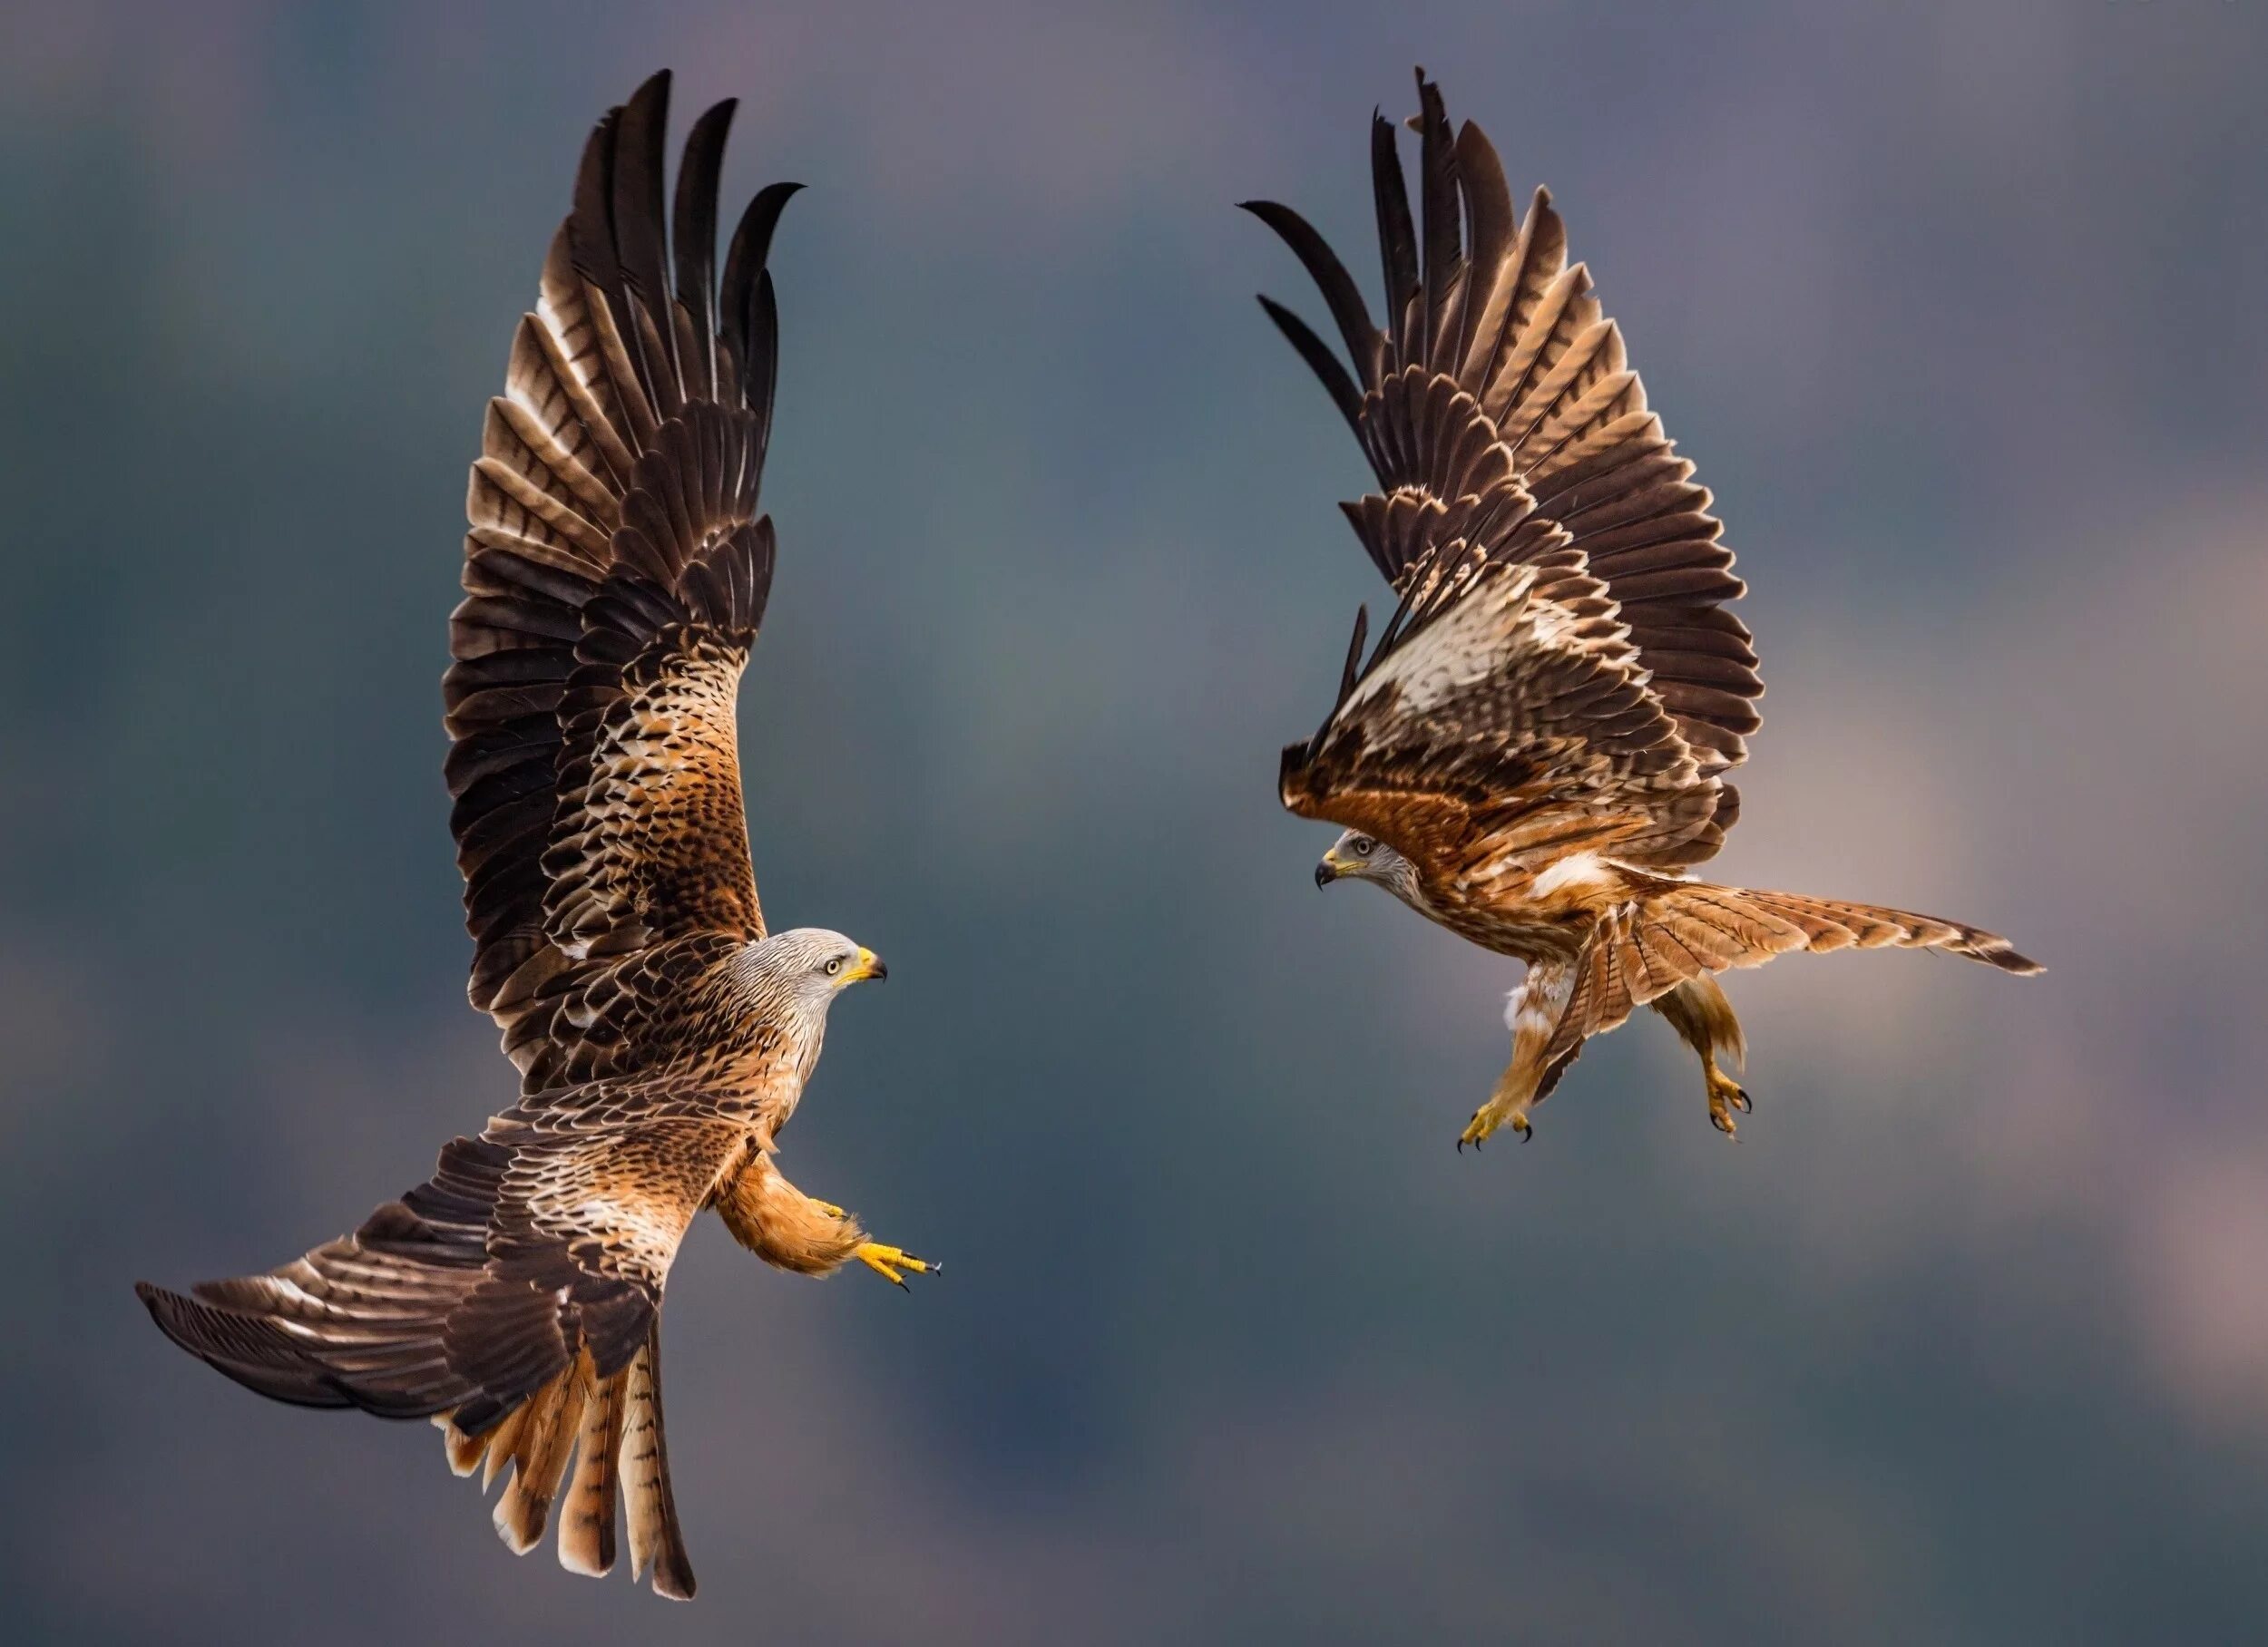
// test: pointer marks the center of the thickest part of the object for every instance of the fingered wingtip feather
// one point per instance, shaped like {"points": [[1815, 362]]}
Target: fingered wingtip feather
{"points": [[1337, 381]]}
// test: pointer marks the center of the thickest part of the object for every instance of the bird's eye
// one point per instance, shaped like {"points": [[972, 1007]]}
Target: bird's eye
{"points": [[1362, 847], [835, 966]]}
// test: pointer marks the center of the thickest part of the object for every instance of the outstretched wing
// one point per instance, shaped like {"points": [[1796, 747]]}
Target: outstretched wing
{"points": [[1503, 722], [1497, 389], [514, 1297], [616, 572], [544, 1240]]}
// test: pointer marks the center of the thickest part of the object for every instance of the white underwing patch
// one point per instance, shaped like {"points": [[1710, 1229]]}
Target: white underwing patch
{"points": [[1577, 869]]}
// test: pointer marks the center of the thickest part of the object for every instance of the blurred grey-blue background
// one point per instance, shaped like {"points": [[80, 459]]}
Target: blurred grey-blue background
{"points": [[1958, 308]]}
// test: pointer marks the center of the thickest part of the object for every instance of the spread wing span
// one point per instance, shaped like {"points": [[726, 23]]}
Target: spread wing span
{"points": [[616, 571], [1496, 396]]}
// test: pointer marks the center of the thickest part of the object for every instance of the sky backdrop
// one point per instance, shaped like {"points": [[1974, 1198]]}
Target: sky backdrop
{"points": [[1959, 309]]}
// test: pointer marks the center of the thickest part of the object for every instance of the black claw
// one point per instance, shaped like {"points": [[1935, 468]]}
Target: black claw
{"points": [[1741, 1099], [1460, 1146], [1528, 1135]]}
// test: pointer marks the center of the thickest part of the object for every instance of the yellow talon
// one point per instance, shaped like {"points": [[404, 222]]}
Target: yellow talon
{"points": [[1725, 1096], [887, 1260], [1486, 1120], [830, 1209]]}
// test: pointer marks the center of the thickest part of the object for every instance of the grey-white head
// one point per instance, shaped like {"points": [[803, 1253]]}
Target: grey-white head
{"points": [[1355, 856], [797, 974]]}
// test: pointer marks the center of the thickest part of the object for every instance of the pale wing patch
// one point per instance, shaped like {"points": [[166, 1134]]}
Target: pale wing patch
{"points": [[1577, 869], [1456, 652]]}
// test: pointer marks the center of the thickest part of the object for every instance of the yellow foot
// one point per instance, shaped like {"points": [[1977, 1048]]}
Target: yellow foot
{"points": [[1725, 1096], [1486, 1120], [830, 1209], [887, 1261]]}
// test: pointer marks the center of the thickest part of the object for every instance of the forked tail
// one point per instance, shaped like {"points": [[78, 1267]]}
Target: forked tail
{"points": [[1674, 930], [1722, 927], [612, 1430]]}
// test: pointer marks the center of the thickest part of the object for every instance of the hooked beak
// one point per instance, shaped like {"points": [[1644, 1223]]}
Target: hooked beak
{"points": [[869, 965], [1327, 870]]}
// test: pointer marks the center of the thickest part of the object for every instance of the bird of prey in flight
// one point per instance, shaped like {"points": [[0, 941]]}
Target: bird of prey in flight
{"points": [[1535, 754], [616, 573]]}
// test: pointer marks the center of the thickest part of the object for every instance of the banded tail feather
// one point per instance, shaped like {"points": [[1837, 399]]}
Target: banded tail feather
{"points": [[586, 1521], [1678, 931], [655, 1538], [541, 1450], [1725, 926]]}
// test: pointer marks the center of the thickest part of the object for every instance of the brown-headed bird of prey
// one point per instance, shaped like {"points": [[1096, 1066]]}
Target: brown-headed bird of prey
{"points": [[1535, 752], [616, 572]]}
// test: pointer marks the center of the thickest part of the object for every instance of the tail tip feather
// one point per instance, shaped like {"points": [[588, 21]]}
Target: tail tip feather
{"points": [[512, 1523], [1999, 953], [586, 1541]]}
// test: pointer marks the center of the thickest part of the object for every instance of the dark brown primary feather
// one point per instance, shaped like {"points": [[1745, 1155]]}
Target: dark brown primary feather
{"points": [[1496, 389], [616, 573]]}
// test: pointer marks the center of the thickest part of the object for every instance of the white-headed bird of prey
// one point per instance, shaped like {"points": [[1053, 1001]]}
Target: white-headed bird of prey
{"points": [[1535, 752], [616, 571]]}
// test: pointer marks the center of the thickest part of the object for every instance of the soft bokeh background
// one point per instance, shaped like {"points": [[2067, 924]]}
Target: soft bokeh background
{"points": [[1958, 308]]}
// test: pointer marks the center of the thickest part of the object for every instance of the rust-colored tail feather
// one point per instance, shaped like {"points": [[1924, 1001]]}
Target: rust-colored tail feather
{"points": [[1681, 930], [1829, 923], [586, 1521], [611, 1430], [1677, 931], [654, 1536], [546, 1441]]}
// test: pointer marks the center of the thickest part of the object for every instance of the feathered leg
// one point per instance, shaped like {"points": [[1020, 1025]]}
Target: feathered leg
{"points": [[1533, 1014], [1699, 1012], [782, 1225]]}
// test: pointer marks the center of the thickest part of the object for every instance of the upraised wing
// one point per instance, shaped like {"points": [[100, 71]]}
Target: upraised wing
{"points": [[616, 571], [1497, 391]]}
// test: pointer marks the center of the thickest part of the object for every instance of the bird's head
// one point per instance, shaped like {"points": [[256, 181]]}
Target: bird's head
{"points": [[810, 966], [1355, 856]]}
